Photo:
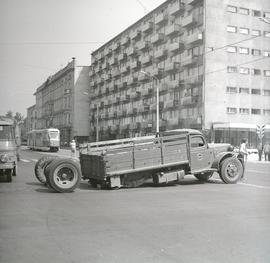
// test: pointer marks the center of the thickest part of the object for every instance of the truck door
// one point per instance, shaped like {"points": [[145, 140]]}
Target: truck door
{"points": [[200, 154]]}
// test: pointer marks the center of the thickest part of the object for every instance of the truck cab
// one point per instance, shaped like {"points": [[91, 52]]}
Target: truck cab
{"points": [[8, 149]]}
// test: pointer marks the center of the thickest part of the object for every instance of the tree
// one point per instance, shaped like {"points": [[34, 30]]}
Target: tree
{"points": [[18, 117], [9, 114]]}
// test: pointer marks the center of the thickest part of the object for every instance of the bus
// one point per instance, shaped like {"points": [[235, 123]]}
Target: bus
{"points": [[44, 139]]}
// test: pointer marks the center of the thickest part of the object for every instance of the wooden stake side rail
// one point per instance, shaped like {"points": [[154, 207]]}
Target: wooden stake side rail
{"points": [[134, 155]]}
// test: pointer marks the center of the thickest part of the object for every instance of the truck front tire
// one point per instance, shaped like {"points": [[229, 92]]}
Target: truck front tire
{"points": [[231, 170]]}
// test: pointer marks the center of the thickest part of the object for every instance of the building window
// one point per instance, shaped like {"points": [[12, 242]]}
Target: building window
{"points": [[244, 111], [231, 8], [255, 52], [266, 14], [266, 112], [255, 32], [243, 50], [255, 111], [231, 49], [244, 30], [231, 69], [266, 73], [244, 71], [256, 91], [232, 29], [256, 13], [243, 11], [231, 90], [266, 34], [266, 53], [231, 110], [255, 71], [244, 90], [266, 92]]}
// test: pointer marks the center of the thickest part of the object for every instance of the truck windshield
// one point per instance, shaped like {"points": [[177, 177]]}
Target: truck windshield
{"points": [[6, 133]]}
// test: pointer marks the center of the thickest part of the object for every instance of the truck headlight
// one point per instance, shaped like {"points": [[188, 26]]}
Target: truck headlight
{"points": [[230, 148], [4, 158]]}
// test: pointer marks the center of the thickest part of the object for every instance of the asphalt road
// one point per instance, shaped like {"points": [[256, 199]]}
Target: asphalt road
{"points": [[189, 222]]}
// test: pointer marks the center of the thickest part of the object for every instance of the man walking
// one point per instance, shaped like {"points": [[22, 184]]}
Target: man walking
{"points": [[266, 150], [260, 150], [73, 148]]}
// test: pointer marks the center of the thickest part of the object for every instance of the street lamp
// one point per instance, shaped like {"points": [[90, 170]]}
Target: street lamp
{"points": [[157, 98]]}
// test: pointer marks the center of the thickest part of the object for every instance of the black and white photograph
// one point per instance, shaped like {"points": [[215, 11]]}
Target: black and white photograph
{"points": [[134, 131]]}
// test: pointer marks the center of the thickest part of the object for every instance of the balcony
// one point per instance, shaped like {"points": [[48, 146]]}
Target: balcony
{"points": [[122, 85], [143, 77], [161, 18], [194, 80], [157, 38], [173, 29], [135, 34], [171, 67], [112, 61], [146, 59], [194, 38], [176, 8], [157, 72], [192, 20], [122, 56], [191, 60], [142, 45], [160, 53], [189, 101], [125, 70], [125, 41], [147, 27], [131, 51], [108, 77], [134, 95], [105, 65], [193, 2], [116, 73], [115, 46], [131, 81], [175, 47], [134, 64], [171, 104], [107, 51]]}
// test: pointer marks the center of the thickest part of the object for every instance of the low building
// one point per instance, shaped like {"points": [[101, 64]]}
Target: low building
{"points": [[62, 102]]}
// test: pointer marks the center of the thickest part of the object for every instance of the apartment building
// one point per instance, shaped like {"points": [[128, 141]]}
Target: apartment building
{"points": [[208, 60], [62, 102], [31, 118]]}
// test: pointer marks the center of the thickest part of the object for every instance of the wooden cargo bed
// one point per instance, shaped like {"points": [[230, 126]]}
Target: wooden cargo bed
{"points": [[129, 156]]}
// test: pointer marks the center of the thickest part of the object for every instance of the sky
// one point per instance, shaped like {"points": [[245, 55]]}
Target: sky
{"points": [[39, 37]]}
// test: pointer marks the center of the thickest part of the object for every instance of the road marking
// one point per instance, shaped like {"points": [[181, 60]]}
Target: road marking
{"points": [[34, 160], [25, 161], [256, 171], [255, 185]]}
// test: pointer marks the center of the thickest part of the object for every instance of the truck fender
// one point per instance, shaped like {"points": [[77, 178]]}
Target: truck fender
{"points": [[220, 157]]}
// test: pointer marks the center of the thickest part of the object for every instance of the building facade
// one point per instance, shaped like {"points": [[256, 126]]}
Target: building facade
{"points": [[31, 119], [208, 60], [62, 102]]}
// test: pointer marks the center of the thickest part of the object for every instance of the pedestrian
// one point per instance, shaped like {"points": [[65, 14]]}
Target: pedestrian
{"points": [[266, 150], [260, 150], [73, 148], [243, 154]]}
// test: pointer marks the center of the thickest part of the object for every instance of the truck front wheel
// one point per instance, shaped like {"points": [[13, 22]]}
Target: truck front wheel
{"points": [[231, 170]]}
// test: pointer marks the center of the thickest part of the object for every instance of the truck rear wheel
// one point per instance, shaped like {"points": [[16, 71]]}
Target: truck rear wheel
{"points": [[231, 170], [64, 175], [40, 166], [204, 177]]}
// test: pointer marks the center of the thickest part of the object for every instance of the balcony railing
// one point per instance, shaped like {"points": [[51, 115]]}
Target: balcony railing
{"points": [[175, 47], [194, 38], [134, 64], [191, 60], [172, 29], [191, 20], [157, 38], [176, 8], [135, 34], [160, 53], [131, 51], [142, 45], [147, 27], [161, 18], [146, 59], [125, 41], [173, 66]]}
